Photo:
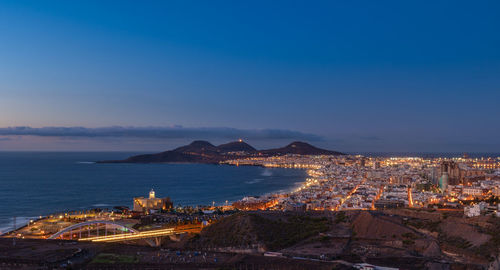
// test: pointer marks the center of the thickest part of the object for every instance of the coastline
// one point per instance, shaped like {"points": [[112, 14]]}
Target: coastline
{"points": [[55, 174]]}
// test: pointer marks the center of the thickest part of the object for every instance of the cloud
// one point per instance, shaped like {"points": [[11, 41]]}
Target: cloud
{"points": [[174, 132]]}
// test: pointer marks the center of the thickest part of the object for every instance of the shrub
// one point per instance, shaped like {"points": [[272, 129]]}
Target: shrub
{"points": [[340, 217]]}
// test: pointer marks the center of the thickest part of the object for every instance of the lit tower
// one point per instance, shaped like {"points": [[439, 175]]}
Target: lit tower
{"points": [[152, 194], [443, 182]]}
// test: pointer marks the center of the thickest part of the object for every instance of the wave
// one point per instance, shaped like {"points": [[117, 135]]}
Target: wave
{"points": [[267, 172], [101, 205], [20, 222], [4, 228], [254, 181]]}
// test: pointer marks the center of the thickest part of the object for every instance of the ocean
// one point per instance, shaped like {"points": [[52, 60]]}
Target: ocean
{"points": [[35, 184]]}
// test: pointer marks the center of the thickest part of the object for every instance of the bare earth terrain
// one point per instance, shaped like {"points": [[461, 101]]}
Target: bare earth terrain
{"points": [[403, 238]]}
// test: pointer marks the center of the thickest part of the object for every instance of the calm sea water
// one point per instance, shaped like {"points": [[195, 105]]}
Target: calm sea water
{"points": [[41, 183]]}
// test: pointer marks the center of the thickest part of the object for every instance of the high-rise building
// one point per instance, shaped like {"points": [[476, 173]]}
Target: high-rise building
{"points": [[434, 176], [443, 182], [362, 162], [459, 174]]}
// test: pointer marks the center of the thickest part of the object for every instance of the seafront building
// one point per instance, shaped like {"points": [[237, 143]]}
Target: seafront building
{"points": [[151, 204]]}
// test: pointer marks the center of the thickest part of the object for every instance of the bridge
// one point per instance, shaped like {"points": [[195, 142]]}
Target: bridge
{"points": [[85, 230], [110, 231]]}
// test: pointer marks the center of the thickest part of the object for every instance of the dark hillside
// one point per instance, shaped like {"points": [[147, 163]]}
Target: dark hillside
{"points": [[273, 232], [238, 146], [205, 152], [298, 148]]}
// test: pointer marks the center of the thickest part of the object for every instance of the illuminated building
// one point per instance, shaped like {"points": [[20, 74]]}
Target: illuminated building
{"points": [[462, 173], [384, 204], [474, 191], [142, 204], [434, 175], [362, 162], [472, 211], [443, 182]]}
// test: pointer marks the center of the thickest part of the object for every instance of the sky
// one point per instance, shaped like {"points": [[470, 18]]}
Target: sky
{"points": [[352, 76]]}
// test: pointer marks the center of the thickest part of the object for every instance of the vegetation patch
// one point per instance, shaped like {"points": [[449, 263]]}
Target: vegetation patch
{"points": [[340, 217], [408, 242], [248, 229], [409, 235], [456, 242], [278, 234], [109, 258], [490, 248], [429, 225]]}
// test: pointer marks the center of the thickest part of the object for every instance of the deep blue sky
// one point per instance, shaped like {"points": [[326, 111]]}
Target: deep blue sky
{"points": [[360, 75]]}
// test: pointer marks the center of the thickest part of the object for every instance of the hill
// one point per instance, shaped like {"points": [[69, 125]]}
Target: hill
{"points": [[195, 152], [198, 148], [298, 148], [237, 146], [403, 238], [205, 152], [270, 231]]}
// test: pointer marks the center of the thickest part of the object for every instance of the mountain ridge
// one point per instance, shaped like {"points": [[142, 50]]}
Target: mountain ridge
{"points": [[299, 148], [200, 151]]}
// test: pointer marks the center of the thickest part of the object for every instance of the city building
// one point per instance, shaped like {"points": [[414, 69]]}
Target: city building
{"points": [[443, 181], [434, 176], [342, 183], [151, 204], [473, 191], [383, 204], [472, 211]]}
